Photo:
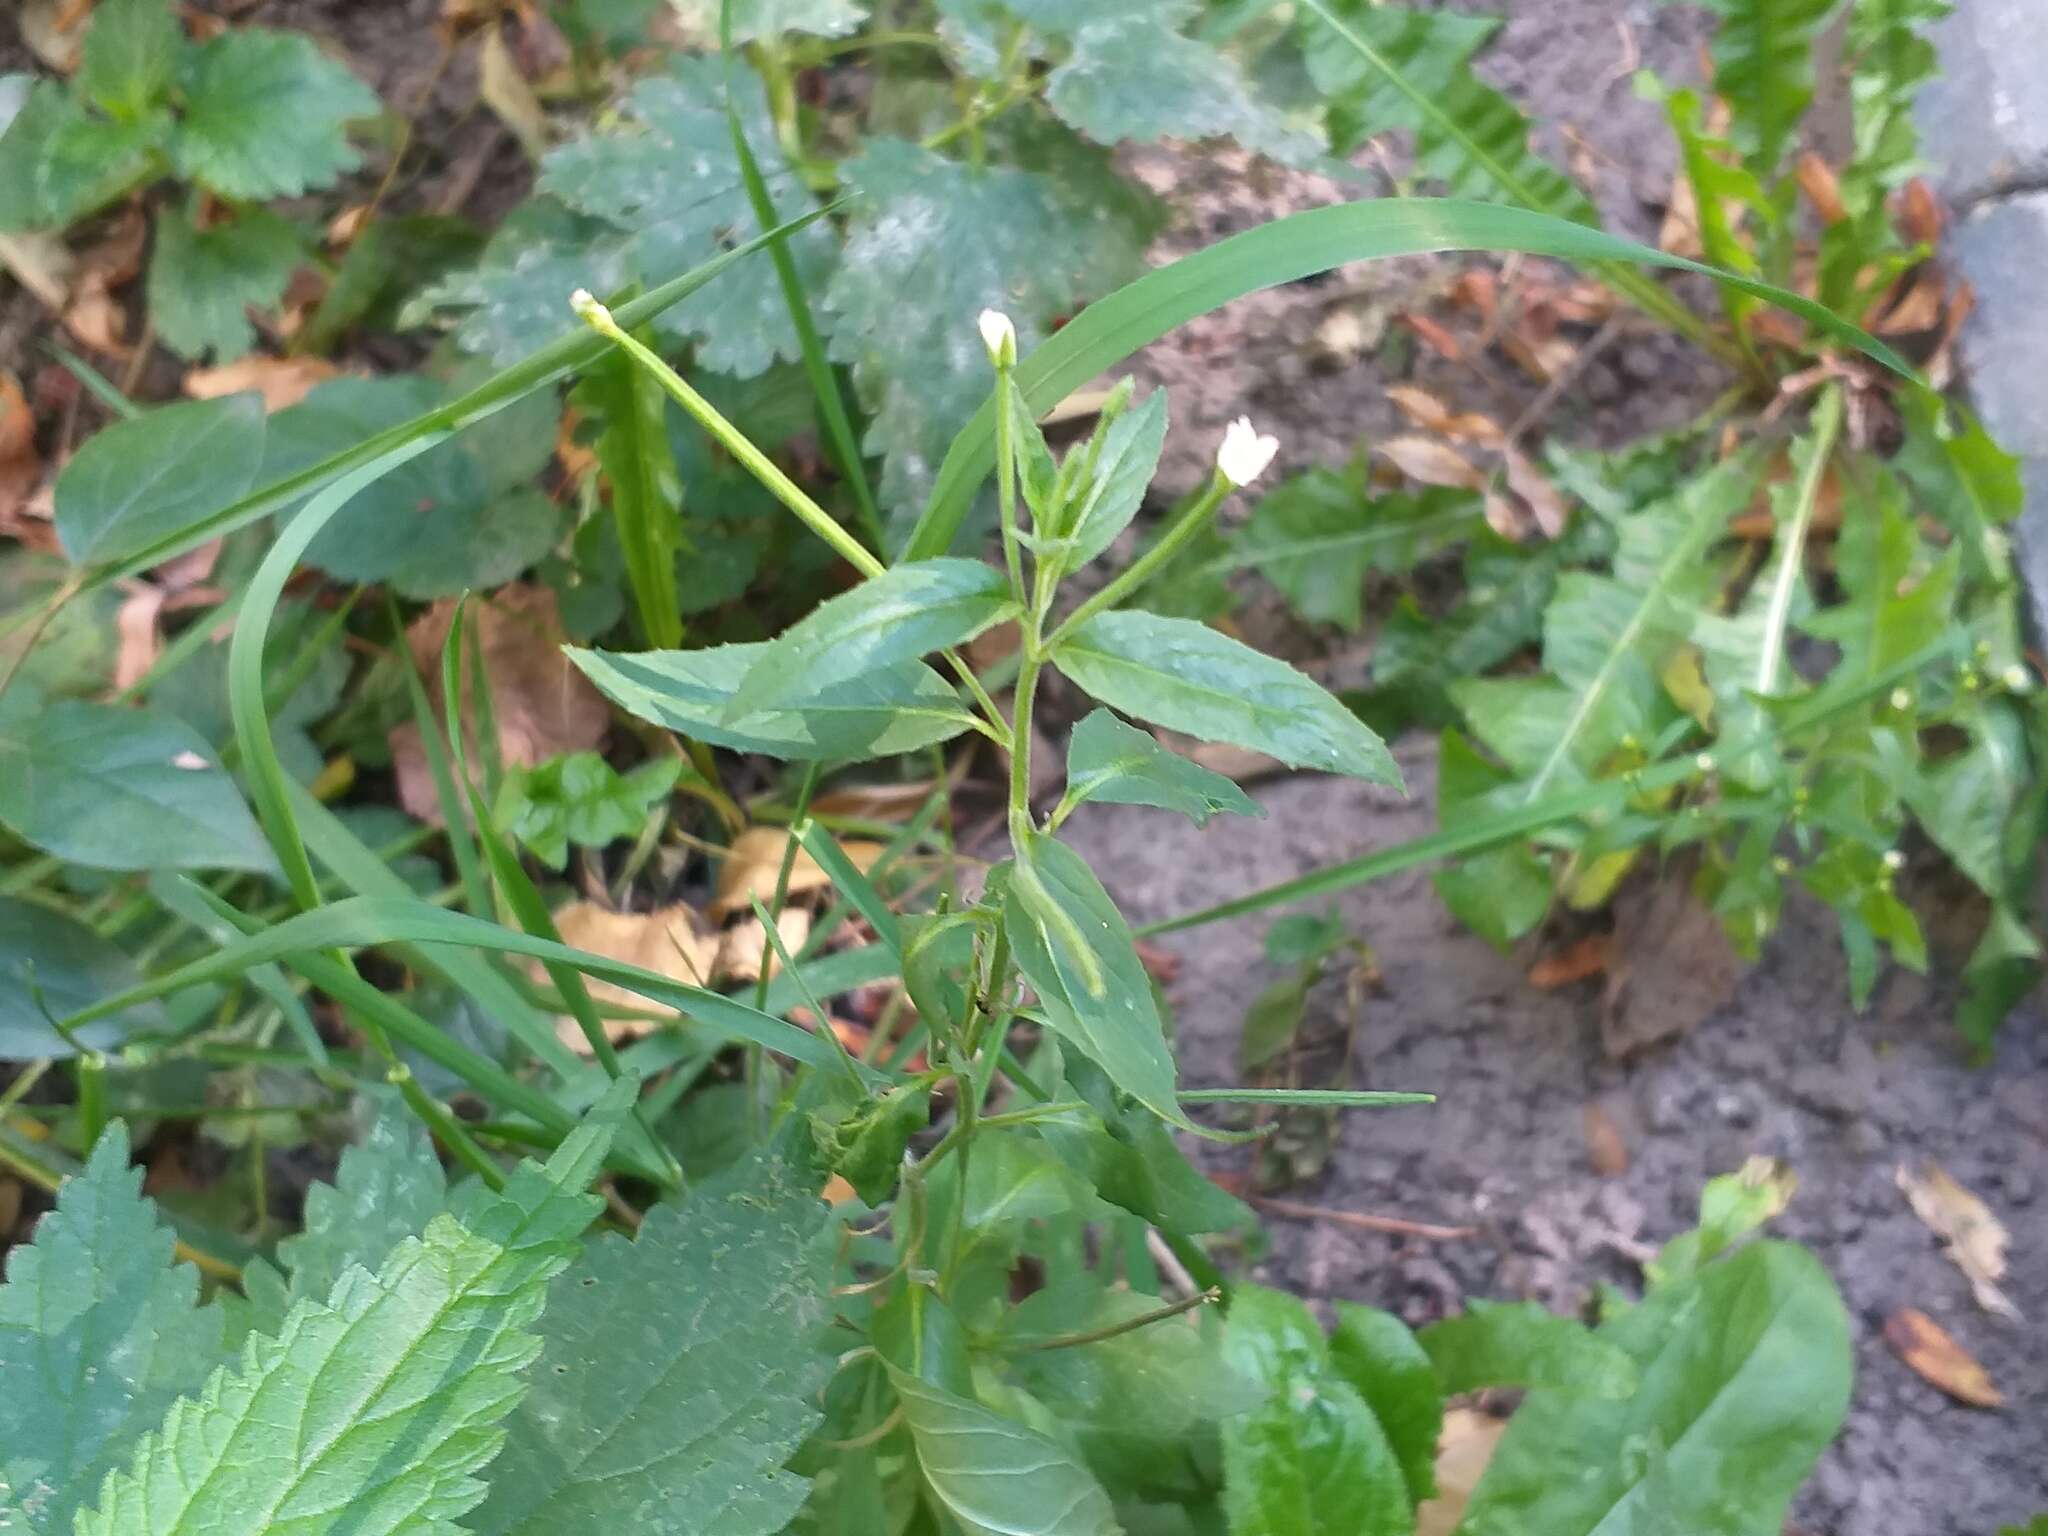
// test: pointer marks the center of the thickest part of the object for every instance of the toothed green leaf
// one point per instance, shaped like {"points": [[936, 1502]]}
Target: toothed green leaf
{"points": [[266, 114], [202, 283]]}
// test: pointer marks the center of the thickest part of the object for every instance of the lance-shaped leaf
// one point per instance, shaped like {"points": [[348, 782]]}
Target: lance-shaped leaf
{"points": [[99, 1332], [1123, 473], [1119, 764], [372, 1413], [1074, 948], [1764, 69], [1191, 678], [52, 965], [906, 612], [683, 1433], [899, 709]]}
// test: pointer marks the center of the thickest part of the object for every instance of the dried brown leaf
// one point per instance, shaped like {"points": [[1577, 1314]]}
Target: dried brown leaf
{"points": [[1432, 415], [1545, 503], [1919, 309], [139, 639], [504, 88], [1437, 337], [1974, 1239], [1239, 764], [1429, 462], [1823, 189], [741, 947], [281, 381], [1935, 1356], [1919, 213], [1464, 1449], [1606, 1148], [670, 941], [54, 32], [1670, 967], [754, 861], [875, 802], [21, 466], [1578, 962]]}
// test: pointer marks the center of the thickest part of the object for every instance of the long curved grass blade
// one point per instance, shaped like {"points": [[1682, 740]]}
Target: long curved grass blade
{"points": [[575, 349], [1284, 251], [1483, 832], [363, 922]]}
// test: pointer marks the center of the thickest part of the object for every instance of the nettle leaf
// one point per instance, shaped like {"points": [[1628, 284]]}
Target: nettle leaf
{"points": [[1523, 1344], [373, 1411], [1077, 953], [513, 300], [1119, 764], [386, 1189], [906, 612], [202, 283], [1744, 1381], [1133, 75], [1378, 1355], [1124, 468], [1312, 1459], [100, 1331], [89, 160], [1387, 67], [1317, 535], [145, 479], [581, 799], [674, 186], [902, 708], [1196, 680], [1764, 69], [51, 966], [934, 243], [756, 20], [998, 1477], [455, 518], [130, 55], [265, 114], [685, 1432], [115, 788]]}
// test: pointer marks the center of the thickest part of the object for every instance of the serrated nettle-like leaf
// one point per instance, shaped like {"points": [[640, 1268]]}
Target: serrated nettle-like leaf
{"points": [[1376, 1353], [372, 1413], [1312, 1460], [115, 788], [130, 55], [1075, 950], [202, 283], [1316, 536], [266, 115], [87, 160], [388, 1188], [1118, 764], [1193, 679], [52, 966], [143, 479], [1523, 1344], [582, 800], [935, 242], [511, 301], [901, 709], [906, 612], [675, 187], [100, 1331], [1764, 69], [1124, 467], [684, 1432], [995, 1476], [1745, 1375]]}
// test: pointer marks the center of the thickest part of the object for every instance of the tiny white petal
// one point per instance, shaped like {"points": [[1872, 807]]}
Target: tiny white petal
{"points": [[190, 761], [1893, 859], [1245, 453], [2016, 678], [999, 336]]}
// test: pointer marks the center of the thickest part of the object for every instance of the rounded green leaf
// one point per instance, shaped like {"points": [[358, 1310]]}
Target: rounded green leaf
{"points": [[51, 966], [147, 479]]}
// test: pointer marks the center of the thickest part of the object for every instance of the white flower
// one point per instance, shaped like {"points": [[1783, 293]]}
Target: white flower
{"points": [[586, 305], [1245, 452], [999, 336]]}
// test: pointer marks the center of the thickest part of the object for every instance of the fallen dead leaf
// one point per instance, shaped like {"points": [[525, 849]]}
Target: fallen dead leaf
{"points": [[1936, 1357], [876, 802], [139, 640], [742, 946], [544, 707], [1464, 1449], [1920, 308], [1437, 337], [1822, 187], [754, 862], [1478, 290], [669, 941], [1429, 462], [1432, 415], [41, 264], [281, 381], [506, 91], [1974, 1239], [1606, 1149], [1669, 967], [1543, 357], [836, 1191], [1577, 962], [21, 467], [1919, 213], [1542, 498], [54, 32]]}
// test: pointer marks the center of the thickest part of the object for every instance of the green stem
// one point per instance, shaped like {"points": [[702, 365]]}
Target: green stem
{"points": [[1006, 475], [92, 1099], [1128, 1325]]}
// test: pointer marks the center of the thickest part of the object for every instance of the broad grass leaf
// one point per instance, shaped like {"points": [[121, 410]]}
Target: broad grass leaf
{"points": [[265, 114], [373, 1411], [100, 1331], [908, 611], [147, 478], [1118, 764], [1523, 1344], [901, 709], [1380, 1357], [52, 962], [1075, 950], [1312, 1460], [1745, 1375], [995, 1476], [1191, 678], [683, 1433], [115, 788]]}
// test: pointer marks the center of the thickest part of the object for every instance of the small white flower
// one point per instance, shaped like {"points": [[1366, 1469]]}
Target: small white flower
{"points": [[585, 304], [2016, 679], [999, 336], [1245, 452], [1893, 859]]}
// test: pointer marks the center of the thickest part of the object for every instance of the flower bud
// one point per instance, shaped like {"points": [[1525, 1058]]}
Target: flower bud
{"points": [[1245, 452], [1000, 337], [586, 306]]}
